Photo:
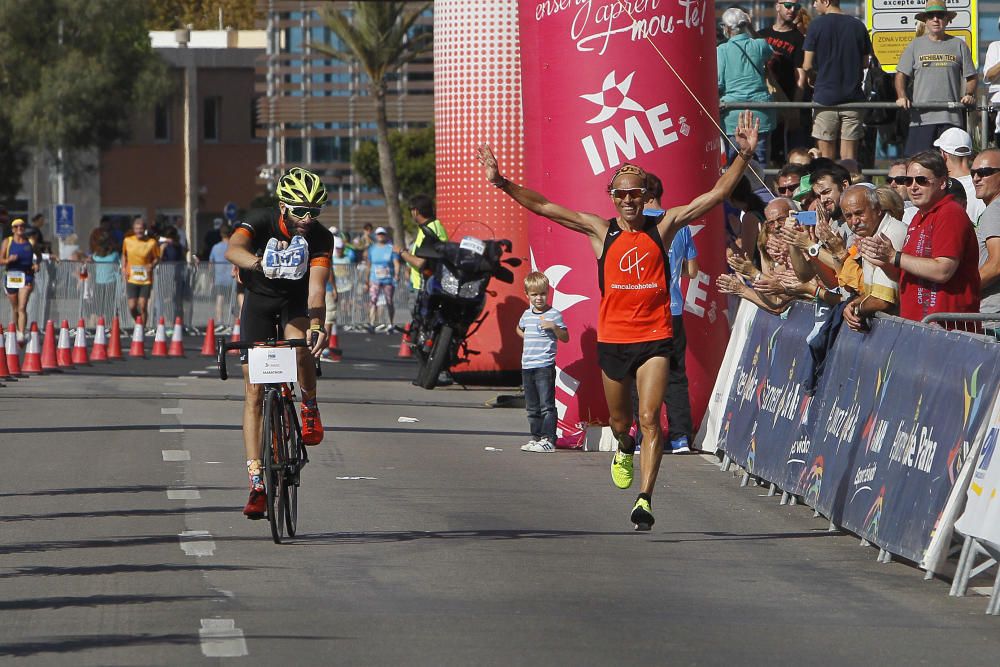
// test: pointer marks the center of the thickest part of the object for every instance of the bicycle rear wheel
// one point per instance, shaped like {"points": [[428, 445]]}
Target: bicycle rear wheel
{"points": [[274, 475]]}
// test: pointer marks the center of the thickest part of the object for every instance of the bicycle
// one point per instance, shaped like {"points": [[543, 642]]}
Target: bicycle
{"points": [[284, 455]]}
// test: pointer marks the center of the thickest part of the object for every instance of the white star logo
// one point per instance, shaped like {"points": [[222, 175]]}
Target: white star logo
{"points": [[598, 98]]}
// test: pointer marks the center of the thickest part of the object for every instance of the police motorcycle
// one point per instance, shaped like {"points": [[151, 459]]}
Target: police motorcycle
{"points": [[449, 307]]}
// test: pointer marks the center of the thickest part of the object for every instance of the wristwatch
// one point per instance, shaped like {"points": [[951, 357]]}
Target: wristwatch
{"points": [[813, 250]]}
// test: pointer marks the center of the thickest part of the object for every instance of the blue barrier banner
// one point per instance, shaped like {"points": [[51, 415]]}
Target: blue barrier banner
{"points": [[893, 418], [767, 400]]}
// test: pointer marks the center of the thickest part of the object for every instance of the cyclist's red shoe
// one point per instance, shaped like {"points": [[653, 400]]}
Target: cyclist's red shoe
{"points": [[312, 426], [256, 507]]}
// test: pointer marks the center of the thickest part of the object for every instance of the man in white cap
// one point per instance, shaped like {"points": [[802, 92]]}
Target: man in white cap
{"points": [[956, 149], [942, 71]]}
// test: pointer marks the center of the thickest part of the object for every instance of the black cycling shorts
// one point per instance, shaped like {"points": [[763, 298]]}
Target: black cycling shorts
{"points": [[265, 317], [621, 360]]}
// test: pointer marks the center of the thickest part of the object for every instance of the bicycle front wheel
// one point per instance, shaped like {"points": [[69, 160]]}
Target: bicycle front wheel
{"points": [[273, 439]]}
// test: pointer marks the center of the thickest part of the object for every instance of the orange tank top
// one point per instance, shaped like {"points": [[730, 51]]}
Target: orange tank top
{"points": [[634, 276]]}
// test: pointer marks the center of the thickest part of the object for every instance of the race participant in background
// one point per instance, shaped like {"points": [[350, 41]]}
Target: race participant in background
{"points": [[283, 257], [18, 255], [634, 328], [383, 270], [141, 254]]}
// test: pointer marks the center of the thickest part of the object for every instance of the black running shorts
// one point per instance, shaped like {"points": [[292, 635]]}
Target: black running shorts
{"points": [[265, 317], [621, 360]]}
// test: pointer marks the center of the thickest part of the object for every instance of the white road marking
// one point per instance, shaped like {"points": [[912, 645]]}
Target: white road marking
{"points": [[356, 478], [164, 429], [171, 411], [197, 543], [175, 384], [220, 638], [492, 449], [176, 455], [199, 372], [212, 367], [183, 494], [184, 377], [365, 366]]}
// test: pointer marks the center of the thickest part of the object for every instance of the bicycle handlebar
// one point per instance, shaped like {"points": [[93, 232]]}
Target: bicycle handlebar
{"points": [[222, 347]]}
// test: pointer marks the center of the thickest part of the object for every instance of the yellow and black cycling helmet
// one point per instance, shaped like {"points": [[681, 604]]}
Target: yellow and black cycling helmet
{"points": [[300, 187]]}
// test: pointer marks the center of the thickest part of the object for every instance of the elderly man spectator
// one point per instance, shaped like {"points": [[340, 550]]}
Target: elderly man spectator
{"points": [[874, 290], [956, 149], [837, 46], [742, 61], [938, 266], [986, 176], [942, 71]]}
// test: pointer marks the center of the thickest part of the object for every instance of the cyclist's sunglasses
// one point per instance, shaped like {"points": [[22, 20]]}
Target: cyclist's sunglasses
{"points": [[620, 193], [303, 211], [922, 181], [984, 172]]}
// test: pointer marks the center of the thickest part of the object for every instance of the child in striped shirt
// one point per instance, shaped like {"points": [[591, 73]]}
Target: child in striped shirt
{"points": [[540, 326]]}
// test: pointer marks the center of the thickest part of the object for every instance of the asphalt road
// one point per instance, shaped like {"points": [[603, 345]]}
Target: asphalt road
{"points": [[434, 542]]}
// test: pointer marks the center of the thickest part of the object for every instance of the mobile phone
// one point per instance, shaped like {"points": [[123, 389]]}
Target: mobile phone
{"points": [[806, 218]]}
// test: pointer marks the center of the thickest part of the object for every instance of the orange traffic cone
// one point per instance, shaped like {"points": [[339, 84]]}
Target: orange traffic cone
{"points": [[12, 353], [333, 347], [4, 371], [49, 362], [99, 350], [64, 351], [160, 339], [138, 348], [177, 340], [115, 341], [208, 347], [404, 346], [33, 353], [80, 345]]}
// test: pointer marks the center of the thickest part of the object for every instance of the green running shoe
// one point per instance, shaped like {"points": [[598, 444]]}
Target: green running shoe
{"points": [[642, 515], [621, 470]]}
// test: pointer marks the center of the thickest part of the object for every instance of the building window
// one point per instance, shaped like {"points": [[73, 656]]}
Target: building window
{"points": [[210, 124], [161, 123]]}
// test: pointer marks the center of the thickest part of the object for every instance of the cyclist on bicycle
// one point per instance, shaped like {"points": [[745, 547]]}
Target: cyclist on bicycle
{"points": [[283, 258]]}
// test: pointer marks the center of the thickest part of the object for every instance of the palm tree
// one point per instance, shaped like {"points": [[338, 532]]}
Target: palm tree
{"points": [[375, 35]]}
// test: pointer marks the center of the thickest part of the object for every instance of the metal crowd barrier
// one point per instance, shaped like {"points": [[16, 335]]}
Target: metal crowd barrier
{"points": [[86, 290]]}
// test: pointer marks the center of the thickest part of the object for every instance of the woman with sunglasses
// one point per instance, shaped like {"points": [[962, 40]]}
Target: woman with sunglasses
{"points": [[18, 255], [634, 328], [289, 308]]}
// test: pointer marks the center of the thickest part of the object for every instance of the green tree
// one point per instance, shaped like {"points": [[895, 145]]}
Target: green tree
{"points": [[413, 155], [203, 14], [376, 35], [76, 77]]}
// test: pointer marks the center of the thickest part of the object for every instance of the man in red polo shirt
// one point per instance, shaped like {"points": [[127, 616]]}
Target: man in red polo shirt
{"points": [[938, 267]]}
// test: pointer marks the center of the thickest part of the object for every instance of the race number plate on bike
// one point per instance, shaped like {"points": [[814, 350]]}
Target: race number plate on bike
{"points": [[15, 279], [473, 245], [138, 274], [272, 364]]}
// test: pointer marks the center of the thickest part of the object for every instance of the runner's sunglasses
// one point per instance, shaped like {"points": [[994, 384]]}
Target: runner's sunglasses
{"points": [[622, 193], [984, 172], [303, 211]]}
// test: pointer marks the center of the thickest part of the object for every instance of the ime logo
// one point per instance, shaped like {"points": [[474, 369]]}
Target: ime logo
{"points": [[644, 129]]}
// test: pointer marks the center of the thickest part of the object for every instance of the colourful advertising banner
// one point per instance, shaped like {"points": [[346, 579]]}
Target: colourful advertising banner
{"points": [[598, 92]]}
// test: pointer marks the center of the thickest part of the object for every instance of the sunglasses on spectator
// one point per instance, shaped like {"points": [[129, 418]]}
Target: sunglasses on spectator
{"points": [[922, 181], [791, 5], [303, 211], [619, 193], [898, 180], [787, 189], [984, 172]]}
